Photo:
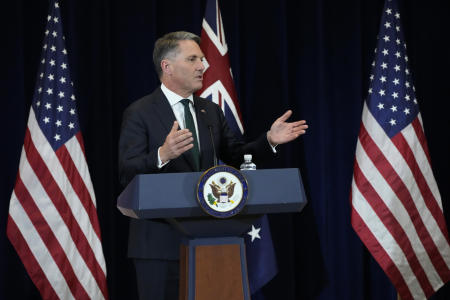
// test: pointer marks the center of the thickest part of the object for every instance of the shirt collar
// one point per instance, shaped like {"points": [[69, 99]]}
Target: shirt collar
{"points": [[173, 97]]}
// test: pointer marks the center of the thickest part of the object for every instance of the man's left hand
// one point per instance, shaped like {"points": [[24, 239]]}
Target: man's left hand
{"points": [[283, 132]]}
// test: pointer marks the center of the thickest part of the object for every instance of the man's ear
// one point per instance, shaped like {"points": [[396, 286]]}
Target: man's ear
{"points": [[165, 67]]}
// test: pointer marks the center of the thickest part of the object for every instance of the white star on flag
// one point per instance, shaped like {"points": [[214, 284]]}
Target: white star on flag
{"points": [[254, 233]]}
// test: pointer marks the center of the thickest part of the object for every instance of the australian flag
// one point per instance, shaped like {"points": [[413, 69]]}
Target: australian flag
{"points": [[218, 86]]}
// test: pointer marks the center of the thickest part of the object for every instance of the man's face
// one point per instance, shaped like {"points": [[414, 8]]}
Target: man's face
{"points": [[186, 68]]}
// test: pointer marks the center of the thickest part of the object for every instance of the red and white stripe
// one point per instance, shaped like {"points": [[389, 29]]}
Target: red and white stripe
{"points": [[397, 209], [53, 221]]}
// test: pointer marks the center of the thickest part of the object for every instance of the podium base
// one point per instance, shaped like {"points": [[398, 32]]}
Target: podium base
{"points": [[213, 268]]}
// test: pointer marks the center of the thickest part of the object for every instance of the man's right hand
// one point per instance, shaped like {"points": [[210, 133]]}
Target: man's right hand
{"points": [[177, 142]]}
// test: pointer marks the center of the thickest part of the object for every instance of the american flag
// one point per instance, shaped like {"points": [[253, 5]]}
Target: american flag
{"points": [[218, 86], [52, 220], [396, 205]]}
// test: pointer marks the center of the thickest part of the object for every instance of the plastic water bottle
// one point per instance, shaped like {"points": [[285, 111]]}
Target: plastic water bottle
{"points": [[247, 164]]}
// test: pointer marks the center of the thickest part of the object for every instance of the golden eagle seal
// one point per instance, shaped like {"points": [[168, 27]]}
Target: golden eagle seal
{"points": [[224, 191]]}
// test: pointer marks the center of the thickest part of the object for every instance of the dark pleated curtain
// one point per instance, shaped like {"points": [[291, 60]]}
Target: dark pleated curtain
{"points": [[309, 56]]}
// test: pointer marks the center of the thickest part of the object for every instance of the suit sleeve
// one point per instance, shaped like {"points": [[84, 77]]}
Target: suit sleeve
{"points": [[135, 157], [232, 149]]}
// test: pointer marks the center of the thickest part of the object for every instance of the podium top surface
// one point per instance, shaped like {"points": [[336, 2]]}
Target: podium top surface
{"points": [[173, 195]]}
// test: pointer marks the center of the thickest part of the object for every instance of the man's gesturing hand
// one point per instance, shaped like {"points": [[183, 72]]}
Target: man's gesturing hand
{"points": [[177, 142], [282, 132]]}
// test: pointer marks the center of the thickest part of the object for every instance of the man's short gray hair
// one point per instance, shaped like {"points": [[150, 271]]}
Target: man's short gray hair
{"points": [[167, 46]]}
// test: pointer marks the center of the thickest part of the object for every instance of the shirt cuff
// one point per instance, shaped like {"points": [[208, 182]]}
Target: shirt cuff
{"points": [[274, 150], [160, 163]]}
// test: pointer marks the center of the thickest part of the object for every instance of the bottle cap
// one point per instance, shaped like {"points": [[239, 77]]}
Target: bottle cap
{"points": [[247, 157]]}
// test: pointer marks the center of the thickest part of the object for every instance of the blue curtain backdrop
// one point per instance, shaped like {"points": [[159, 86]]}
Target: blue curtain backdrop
{"points": [[310, 56]]}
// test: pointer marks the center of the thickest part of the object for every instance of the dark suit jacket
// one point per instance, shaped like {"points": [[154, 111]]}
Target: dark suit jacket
{"points": [[145, 126]]}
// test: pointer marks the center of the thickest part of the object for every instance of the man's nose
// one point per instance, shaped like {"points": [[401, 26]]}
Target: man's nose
{"points": [[200, 65]]}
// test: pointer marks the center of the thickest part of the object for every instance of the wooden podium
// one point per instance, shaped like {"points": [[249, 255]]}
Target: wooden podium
{"points": [[212, 256]]}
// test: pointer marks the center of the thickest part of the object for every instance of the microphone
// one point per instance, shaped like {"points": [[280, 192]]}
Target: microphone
{"points": [[211, 136]]}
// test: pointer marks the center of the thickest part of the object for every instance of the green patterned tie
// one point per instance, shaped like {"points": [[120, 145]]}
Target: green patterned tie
{"points": [[189, 122]]}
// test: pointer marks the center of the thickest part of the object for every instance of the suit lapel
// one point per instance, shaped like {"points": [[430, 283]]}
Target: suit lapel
{"points": [[164, 110], [204, 135]]}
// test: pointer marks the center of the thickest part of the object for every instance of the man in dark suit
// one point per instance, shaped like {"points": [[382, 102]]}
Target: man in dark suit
{"points": [[170, 131]]}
